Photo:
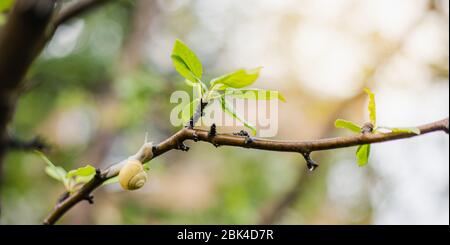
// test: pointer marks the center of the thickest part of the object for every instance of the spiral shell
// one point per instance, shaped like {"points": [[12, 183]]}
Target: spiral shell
{"points": [[132, 175]]}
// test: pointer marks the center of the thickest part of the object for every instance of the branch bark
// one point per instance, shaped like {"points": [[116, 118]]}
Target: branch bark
{"points": [[148, 152]]}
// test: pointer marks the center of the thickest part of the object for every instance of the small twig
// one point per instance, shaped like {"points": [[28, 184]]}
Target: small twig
{"points": [[310, 164], [248, 138], [197, 114], [212, 132], [89, 199], [367, 128], [37, 143], [181, 146]]}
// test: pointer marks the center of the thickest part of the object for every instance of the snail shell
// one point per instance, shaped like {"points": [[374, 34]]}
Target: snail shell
{"points": [[132, 175]]}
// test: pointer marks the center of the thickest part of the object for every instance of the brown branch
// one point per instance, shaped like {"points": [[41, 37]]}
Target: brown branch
{"points": [[68, 13], [19, 45], [148, 151]]}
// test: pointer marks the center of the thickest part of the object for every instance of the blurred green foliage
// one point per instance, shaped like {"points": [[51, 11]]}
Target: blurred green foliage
{"points": [[93, 111]]}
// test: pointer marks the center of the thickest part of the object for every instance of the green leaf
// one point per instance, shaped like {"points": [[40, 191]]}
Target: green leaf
{"points": [[340, 123], [230, 110], [112, 180], [186, 62], [46, 160], [5, 5], [371, 107], [362, 154], [183, 69], [257, 94], [238, 79], [200, 86], [2, 19], [146, 166], [58, 173], [53, 171], [412, 130], [87, 170], [188, 111], [190, 83]]}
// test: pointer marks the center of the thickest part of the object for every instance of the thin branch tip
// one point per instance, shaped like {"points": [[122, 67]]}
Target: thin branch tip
{"points": [[310, 163]]}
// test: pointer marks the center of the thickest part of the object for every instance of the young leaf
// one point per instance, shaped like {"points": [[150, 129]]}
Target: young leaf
{"points": [[46, 160], [87, 170], [5, 5], [190, 83], [404, 130], [340, 123], [258, 94], [186, 62], [238, 79], [146, 166], [371, 107], [2, 19], [183, 69], [57, 173], [188, 111], [230, 110], [111, 180], [362, 154]]}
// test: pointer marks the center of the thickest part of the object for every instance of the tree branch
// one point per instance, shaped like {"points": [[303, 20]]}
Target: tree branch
{"points": [[36, 143], [148, 152], [76, 9]]}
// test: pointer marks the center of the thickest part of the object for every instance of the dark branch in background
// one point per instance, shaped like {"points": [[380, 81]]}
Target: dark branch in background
{"points": [[76, 9], [19, 46], [272, 212], [148, 152], [22, 38], [36, 143], [21, 41]]}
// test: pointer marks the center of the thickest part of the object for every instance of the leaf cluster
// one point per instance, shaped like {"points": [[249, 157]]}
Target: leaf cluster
{"points": [[363, 151], [233, 84]]}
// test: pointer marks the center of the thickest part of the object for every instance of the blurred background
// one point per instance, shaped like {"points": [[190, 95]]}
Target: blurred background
{"points": [[105, 79]]}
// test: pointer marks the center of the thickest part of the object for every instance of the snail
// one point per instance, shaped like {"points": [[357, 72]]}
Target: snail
{"points": [[132, 176]]}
